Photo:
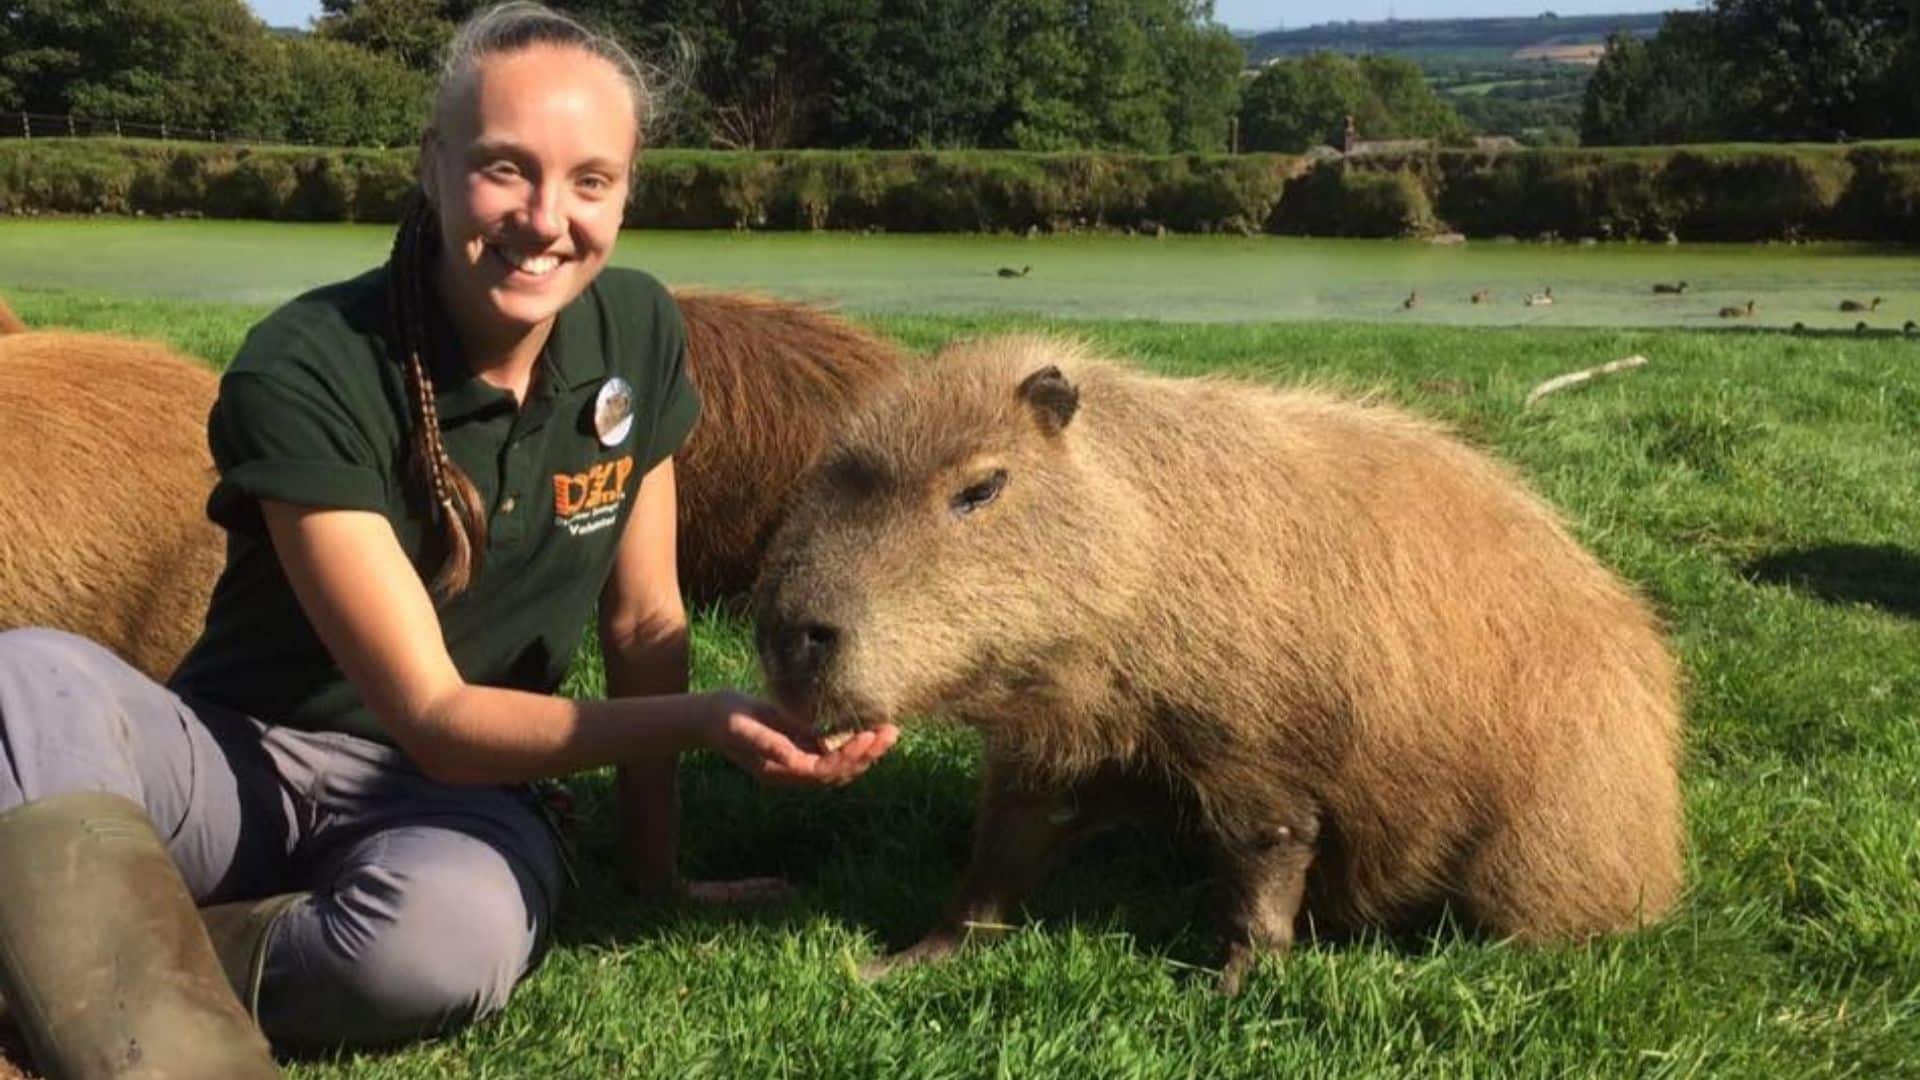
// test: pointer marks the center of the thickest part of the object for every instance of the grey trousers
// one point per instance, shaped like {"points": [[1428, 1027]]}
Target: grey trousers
{"points": [[428, 902]]}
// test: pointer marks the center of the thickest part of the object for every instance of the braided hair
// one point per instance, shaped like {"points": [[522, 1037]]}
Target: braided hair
{"points": [[456, 503]]}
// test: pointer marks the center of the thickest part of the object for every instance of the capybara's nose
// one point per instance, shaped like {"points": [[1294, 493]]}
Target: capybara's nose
{"points": [[802, 651]]}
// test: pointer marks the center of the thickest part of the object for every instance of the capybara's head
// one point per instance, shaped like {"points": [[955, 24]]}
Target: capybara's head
{"points": [[956, 534]]}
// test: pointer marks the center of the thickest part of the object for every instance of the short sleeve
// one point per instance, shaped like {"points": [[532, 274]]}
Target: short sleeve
{"points": [[271, 441], [679, 401]]}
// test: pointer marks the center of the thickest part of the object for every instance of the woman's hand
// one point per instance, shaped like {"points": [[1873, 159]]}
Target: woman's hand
{"points": [[779, 750]]}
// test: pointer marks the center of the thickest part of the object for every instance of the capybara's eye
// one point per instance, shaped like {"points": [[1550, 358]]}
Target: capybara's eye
{"points": [[979, 493]]}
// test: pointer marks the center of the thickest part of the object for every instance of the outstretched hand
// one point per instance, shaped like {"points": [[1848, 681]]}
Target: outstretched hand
{"points": [[777, 749]]}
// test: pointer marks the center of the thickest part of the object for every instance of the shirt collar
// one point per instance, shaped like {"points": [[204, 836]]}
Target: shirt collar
{"points": [[572, 358]]}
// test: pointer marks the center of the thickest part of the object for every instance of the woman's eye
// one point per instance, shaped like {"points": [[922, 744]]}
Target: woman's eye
{"points": [[978, 494], [595, 185]]}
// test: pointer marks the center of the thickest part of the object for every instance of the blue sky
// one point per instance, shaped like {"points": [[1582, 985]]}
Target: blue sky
{"points": [[1244, 14]]}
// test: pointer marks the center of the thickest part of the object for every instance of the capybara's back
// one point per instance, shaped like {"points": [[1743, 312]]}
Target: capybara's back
{"points": [[9, 322], [104, 474], [775, 380], [1378, 672]]}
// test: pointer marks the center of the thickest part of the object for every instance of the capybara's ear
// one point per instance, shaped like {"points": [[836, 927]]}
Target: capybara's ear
{"points": [[1053, 398]]}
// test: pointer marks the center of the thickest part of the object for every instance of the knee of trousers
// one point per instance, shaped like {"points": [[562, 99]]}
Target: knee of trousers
{"points": [[402, 959], [61, 724]]}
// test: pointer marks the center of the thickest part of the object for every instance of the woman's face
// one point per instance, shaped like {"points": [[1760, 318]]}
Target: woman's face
{"points": [[527, 167]]}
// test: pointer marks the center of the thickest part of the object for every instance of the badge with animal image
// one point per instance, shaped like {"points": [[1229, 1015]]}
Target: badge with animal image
{"points": [[613, 411]]}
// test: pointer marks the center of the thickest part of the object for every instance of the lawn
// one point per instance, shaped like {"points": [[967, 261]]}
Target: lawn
{"points": [[1762, 488]]}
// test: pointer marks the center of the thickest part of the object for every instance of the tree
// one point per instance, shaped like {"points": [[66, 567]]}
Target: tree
{"points": [[1294, 105], [187, 63], [410, 31], [338, 95], [1762, 69], [922, 73], [1141, 75]]}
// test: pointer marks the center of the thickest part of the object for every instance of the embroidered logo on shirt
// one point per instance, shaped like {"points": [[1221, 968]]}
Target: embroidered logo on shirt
{"points": [[589, 501]]}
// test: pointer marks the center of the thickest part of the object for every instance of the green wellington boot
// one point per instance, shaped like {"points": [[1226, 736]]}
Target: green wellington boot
{"points": [[241, 932], [104, 962]]}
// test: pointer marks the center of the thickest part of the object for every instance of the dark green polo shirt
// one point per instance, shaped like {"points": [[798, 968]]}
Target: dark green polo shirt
{"points": [[314, 410]]}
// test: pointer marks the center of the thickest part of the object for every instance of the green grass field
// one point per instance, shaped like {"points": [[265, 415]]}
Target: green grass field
{"points": [[1762, 488]]}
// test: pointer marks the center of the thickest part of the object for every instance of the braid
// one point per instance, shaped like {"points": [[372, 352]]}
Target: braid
{"points": [[456, 503]]}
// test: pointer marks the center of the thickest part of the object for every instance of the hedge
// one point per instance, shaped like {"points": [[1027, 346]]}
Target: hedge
{"points": [[1867, 191]]}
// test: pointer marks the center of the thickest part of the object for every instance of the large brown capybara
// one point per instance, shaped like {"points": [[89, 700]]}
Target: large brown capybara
{"points": [[1372, 669], [104, 469], [104, 474]]}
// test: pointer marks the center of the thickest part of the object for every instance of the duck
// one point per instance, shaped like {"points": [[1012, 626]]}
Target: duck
{"points": [[1673, 289], [1799, 328], [1008, 271], [1737, 312], [1412, 301], [1541, 298], [1480, 295], [1855, 305], [1911, 329], [1860, 327]]}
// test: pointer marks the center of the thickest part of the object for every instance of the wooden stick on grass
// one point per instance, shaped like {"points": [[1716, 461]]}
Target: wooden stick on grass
{"points": [[1575, 378]]}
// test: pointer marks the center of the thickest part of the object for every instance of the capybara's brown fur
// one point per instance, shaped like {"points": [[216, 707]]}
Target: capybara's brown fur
{"points": [[1374, 671], [775, 380], [9, 322], [104, 469], [104, 474]]}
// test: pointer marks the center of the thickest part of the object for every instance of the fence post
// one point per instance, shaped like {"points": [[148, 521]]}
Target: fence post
{"points": [[26, 127], [69, 125], [163, 131], [116, 127]]}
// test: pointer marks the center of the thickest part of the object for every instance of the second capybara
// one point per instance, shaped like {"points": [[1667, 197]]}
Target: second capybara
{"points": [[775, 378], [1372, 670], [104, 468], [104, 475]]}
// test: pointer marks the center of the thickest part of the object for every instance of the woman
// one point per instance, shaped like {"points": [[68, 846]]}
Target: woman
{"points": [[431, 475]]}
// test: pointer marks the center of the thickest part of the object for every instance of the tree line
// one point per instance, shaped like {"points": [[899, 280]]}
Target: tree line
{"points": [[1150, 76], [1814, 70], [1129, 76]]}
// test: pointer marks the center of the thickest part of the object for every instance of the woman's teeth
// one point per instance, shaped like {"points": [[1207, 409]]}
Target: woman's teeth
{"points": [[536, 265]]}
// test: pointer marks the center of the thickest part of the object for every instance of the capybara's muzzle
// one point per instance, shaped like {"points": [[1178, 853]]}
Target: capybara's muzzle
{"points": [[796, 654]]}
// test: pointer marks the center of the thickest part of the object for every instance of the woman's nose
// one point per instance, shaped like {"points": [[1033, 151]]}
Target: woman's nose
{"points": [[543, 214]]}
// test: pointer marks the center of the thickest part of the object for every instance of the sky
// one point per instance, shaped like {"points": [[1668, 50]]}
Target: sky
{"points": [[1246, 14]]}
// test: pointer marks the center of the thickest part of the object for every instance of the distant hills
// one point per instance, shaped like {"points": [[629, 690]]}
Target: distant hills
{"points": [[1539, 37]]}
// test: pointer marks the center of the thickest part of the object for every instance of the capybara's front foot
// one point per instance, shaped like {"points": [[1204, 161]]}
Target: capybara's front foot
{"points": [[937, 945], [1233, 974]]}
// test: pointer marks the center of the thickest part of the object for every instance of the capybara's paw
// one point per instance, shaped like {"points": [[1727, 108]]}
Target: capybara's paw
{"points": [[1233, 975], [935, 946]]}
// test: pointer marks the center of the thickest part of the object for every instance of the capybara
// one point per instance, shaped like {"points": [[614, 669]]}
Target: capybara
{"points": [[104, 469], [9, 322], [775, 379], [1372, 671], [104, 474]]}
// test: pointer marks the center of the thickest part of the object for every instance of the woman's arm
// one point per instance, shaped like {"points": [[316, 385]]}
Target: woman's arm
{"points": [[369, 607], [367, 604]]}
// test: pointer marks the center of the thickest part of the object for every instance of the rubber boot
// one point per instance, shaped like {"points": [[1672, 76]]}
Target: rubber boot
{"points": [[241, 932], [103, 959]]}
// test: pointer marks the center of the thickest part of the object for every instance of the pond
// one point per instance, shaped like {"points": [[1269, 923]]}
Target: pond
{"points": [[1181, 278]]}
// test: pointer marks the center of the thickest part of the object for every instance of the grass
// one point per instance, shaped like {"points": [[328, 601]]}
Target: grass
{"points": [[1762, 488]]}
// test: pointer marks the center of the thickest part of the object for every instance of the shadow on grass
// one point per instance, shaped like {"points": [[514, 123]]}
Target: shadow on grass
{"points": [[883, 856], [1882, 575]]}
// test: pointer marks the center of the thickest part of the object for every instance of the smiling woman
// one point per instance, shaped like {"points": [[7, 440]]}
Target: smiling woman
{"points": [[422, 511]]}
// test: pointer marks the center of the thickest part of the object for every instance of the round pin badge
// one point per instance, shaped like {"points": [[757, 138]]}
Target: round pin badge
{"points": [[613, 411]]}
